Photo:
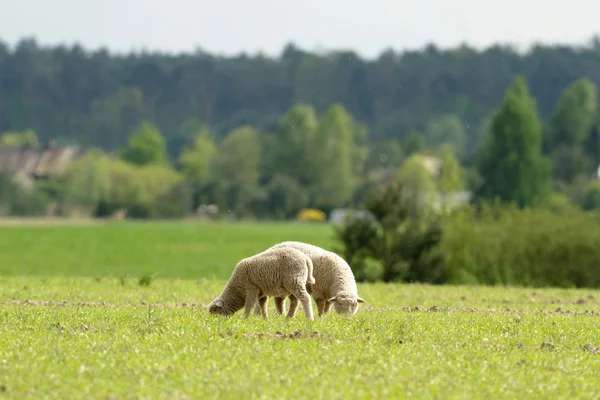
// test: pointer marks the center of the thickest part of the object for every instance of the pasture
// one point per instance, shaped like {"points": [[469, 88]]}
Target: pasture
{"points": [[76, 323]]}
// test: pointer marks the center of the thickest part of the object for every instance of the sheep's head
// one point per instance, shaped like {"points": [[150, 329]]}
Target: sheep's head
{"points": [[217, 306], [345, 303]]}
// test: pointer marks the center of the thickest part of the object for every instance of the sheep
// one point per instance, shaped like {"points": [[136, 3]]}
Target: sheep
{"points": [[274, 272], [335, 284]]}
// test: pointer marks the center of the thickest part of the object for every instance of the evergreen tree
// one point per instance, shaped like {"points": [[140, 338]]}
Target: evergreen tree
{"points": [[511, 162]]}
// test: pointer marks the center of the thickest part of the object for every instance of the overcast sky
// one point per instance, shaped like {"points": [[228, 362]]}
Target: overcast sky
{"points": [[228, 27]]}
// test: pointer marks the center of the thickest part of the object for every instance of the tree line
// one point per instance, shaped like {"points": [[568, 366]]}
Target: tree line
{"points": [[95, 98], [331, 160], [523, 142]]}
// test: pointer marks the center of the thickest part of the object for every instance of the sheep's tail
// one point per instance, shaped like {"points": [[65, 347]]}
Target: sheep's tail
{"points": [[309, 265]]}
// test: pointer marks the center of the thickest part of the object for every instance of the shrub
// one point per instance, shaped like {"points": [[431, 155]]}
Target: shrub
{"points": [[17, 200], [399, 245], [531, 247], [310, 214]]}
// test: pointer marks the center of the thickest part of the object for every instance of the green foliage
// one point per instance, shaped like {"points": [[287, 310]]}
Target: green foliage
{"points": [[574, 115], [19, 200], [413, 143], [195, 161], [502, 245], [285, 197], [447, 130], [569, 138], [146, 146], [25, 139], [236, 169], [175, 202], [295, 140], [418, 183], [452, 176], [145, 280], [127, 191], [510, 162], [107, 95], [331, 159], [570, 161], [149, 191], [384, 154], [398, 245], [114, 115], [87, 181], [592, 198]]}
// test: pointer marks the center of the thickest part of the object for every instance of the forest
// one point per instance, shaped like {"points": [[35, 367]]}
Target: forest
{"points": [[267, 137]]}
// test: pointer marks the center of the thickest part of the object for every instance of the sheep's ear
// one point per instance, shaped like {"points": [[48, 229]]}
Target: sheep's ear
{"points": [[219, 303], [359, 300], [332, 299]]}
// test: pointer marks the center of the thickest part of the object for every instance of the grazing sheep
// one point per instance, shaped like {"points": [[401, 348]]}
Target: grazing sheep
{"points": [[275, 272], [334, 286]]}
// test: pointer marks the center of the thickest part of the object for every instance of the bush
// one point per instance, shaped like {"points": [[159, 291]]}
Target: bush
{"points": [[16, 200], [531, 247], [150, 191], [175, 203], [400, 245], [310, 214]]}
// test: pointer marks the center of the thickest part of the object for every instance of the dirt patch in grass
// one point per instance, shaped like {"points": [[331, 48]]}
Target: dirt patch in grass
{"points": [[559, 310], [280, 335]]}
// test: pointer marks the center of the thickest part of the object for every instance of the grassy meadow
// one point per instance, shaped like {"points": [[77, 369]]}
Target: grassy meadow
{"points": [[76, 323], [185, 250]]}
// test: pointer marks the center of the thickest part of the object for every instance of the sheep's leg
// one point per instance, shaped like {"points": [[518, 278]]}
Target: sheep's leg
{"points": [[298, 290], [304, 297], [293, 306], [280, 305], [262, 306], [251, 299], [321, 304]]}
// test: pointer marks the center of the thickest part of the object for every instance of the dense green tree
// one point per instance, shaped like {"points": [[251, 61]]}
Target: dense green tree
{"points": [[114, 117], [331, 160], [451, 176], [146, 146], [511, 162], [572, 119], [447, 130], [195, 160], [94, 98], [418, 183], [87, 181], [98, 98], [570, 129], [414, 143], [235, 169], [284, 198], [384, 154], [294, 143]]}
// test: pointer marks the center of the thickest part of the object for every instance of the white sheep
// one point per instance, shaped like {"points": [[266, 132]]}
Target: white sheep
{"points": [[334, 286], [275, 272]]}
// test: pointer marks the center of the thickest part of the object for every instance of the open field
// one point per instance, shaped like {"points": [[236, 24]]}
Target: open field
{"points": [[167, 249], [75, 323], [108, 338]]}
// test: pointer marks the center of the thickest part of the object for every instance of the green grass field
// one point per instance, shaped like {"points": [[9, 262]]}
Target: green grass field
{"points": [[75, 323], [185, 250]]}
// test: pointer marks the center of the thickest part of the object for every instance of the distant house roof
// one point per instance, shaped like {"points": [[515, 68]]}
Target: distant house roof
{"points": [[37, 163]]}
